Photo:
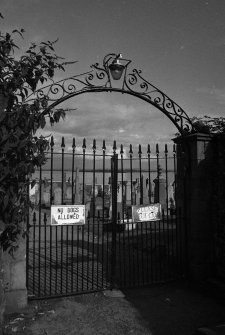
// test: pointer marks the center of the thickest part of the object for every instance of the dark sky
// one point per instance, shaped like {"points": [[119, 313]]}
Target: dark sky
{"points": [[178, 44]]}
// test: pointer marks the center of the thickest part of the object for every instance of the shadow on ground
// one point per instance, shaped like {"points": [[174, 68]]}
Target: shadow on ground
{"points": [[178, 308]]}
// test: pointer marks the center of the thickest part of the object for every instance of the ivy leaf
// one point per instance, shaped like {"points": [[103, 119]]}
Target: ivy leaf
{"points": [[42, 122], [18, 32]]}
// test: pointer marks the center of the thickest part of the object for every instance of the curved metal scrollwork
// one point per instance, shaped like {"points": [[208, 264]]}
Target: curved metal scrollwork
{"points": [[101, 79]]}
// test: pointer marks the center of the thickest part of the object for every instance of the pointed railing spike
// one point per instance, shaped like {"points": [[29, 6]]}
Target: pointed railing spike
{"points": [[103, 145], [174, 148], [114, 146], [131, 149], [166, 149], [139, 150], [74, 143], [121, 149], [84, 143], [52, 141], [63, 143], [94, 144]]}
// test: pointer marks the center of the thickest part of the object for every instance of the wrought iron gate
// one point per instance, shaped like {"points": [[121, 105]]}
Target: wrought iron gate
{"points": [[110, 250]]}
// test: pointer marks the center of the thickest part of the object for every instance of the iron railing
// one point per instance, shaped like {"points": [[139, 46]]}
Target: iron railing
{"points": [[110, 250]]}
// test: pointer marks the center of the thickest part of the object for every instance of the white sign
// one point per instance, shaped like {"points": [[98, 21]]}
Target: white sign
{"points": [[68, 215], [144, 213]]}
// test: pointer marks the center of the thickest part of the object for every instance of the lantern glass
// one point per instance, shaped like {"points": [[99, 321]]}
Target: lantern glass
{"points": [[116, 69]]}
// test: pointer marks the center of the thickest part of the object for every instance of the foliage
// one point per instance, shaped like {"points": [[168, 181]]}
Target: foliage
{"points": [[209, 125], [21, 150]]}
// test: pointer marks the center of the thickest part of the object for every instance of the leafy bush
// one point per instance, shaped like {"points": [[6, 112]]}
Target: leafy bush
{"points": [[21, 150], [209, 125]]}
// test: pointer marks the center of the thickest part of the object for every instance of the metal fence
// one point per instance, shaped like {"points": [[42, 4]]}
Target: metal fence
{"points": [[110, 250]]}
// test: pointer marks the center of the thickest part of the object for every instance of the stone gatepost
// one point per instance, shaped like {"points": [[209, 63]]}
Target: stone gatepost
{"points": [[14, 278], [13, 291], [194, 197]]}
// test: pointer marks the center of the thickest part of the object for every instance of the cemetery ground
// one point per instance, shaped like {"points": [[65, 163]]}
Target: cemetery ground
{"points": [[177, 307], [172, 309], [63, 260]]}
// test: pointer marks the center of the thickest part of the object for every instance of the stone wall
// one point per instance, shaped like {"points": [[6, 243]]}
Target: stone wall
{"points": [[14, 278], [218, 205], [195, 197], [13, 292]]}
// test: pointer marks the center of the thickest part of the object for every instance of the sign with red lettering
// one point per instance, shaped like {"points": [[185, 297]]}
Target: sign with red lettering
{"points": [[67, 215], [145, 213]]}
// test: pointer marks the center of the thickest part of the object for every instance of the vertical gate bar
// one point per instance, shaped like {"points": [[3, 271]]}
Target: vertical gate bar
{"points": [[137, 256], [129, 256], [98, 240], [161, 249], [142, 254], [122, 181], [28, 235], [141, 203], [51, 172], [147, 252], [123, 215], [103, 178], [146, 224], [78, 245], [151, 253], [39, 232], [119, 250], [83, 202], [88, 241], [82, 256], [114, 169], [149, 173], [94, 177], [73, 168], [102, 252], [158, 170], [131, 242], [124, 255], [45, 254], [167, 215], [51, 201], [83, 183], [158, 266], [62, 201], [141, 177], [171, 241], [103, 221], [72, 260], [155, 268], [34, 249], [67, 256], [107, 245], [62, 177], [167, 193], [175, 219], [133, 252], [131, 173], [56, 258], [93, 214]]}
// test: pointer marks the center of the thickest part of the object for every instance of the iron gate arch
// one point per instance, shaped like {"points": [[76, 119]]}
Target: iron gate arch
{"points": [[53, 256], [99, 79]]}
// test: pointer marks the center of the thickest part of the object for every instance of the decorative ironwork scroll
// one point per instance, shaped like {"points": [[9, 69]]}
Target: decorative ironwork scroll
{"points": [[99, 79]]}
